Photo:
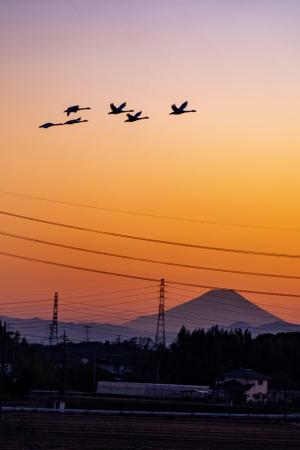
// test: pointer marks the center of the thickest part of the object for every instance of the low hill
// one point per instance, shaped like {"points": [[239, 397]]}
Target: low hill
{"points": [[37, 330]]}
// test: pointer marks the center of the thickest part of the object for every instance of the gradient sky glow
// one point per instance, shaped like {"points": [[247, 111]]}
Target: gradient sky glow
{"points": [[236, 160]]}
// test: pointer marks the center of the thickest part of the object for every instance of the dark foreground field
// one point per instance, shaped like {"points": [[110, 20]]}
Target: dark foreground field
{"points": [[31, 431]]}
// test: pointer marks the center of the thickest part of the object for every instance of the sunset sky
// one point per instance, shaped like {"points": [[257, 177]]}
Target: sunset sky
{"points": [[235, 161]]}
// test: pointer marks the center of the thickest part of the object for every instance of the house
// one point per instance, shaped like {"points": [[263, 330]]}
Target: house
{"points": [[115, 365], [246, 383]]}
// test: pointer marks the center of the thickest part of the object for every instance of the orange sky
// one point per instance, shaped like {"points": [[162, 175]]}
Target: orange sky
{"points": [[236, 160]]}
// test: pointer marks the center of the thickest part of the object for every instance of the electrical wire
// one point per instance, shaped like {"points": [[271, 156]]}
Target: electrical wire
{"points": [[152, 261], [156, 216], [143, 278], [156, 241]]}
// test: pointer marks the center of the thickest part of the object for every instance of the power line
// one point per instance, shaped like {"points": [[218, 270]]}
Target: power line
{"points": [[136, 277], [171, 289], [235, 307], [146, 239], [86, 269], [97, 311], [123, 314], [108, 306], [79, 305], [182, 316], [41, 303], [181, 302], [77, 289], [152, 261], [156, 216], [127, 316]]}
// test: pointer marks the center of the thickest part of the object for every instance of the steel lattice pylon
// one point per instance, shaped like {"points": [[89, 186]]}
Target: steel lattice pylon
{"points": [[53, 334], [160, 337]]}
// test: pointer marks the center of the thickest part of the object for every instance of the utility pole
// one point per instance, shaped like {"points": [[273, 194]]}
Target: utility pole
{"points": [[53, 332], [160, 337], [2, 356], [94, 373], [62, 372], [4, 338], [87, 332]]}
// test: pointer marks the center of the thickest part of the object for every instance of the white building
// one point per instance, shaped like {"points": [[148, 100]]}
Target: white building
{"points": [[151, 390], [256, 383]]}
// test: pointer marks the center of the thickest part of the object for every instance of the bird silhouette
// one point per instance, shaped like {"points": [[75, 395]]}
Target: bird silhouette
{"points": [[181, 109], [73, 121], [50, 124], [74, 109], [119, 109], [135, 117]]}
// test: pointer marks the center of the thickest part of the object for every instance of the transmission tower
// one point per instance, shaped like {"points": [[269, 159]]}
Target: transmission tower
{"points": [[160, 337], [53, 333]]}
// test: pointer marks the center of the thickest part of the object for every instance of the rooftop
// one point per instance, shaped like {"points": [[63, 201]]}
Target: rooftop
{"points": [[248, 374]]}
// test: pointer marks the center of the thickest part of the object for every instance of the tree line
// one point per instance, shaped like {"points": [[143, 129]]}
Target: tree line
{"points": [[196, 357]]}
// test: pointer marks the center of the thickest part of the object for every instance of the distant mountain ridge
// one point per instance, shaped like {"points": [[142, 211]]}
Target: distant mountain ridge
{"points": [[37, 330], [225, 308]]}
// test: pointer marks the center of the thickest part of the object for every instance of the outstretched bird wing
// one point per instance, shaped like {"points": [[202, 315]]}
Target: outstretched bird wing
{"points": [[130, 116], [184, 105], [71, 109], [174, 107], [138, 114], [113, 108], [46, 125], [122, 105], [70, 122]]}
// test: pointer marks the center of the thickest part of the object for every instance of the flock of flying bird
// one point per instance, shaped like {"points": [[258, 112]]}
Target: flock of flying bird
{"points": [[176, 110]]}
